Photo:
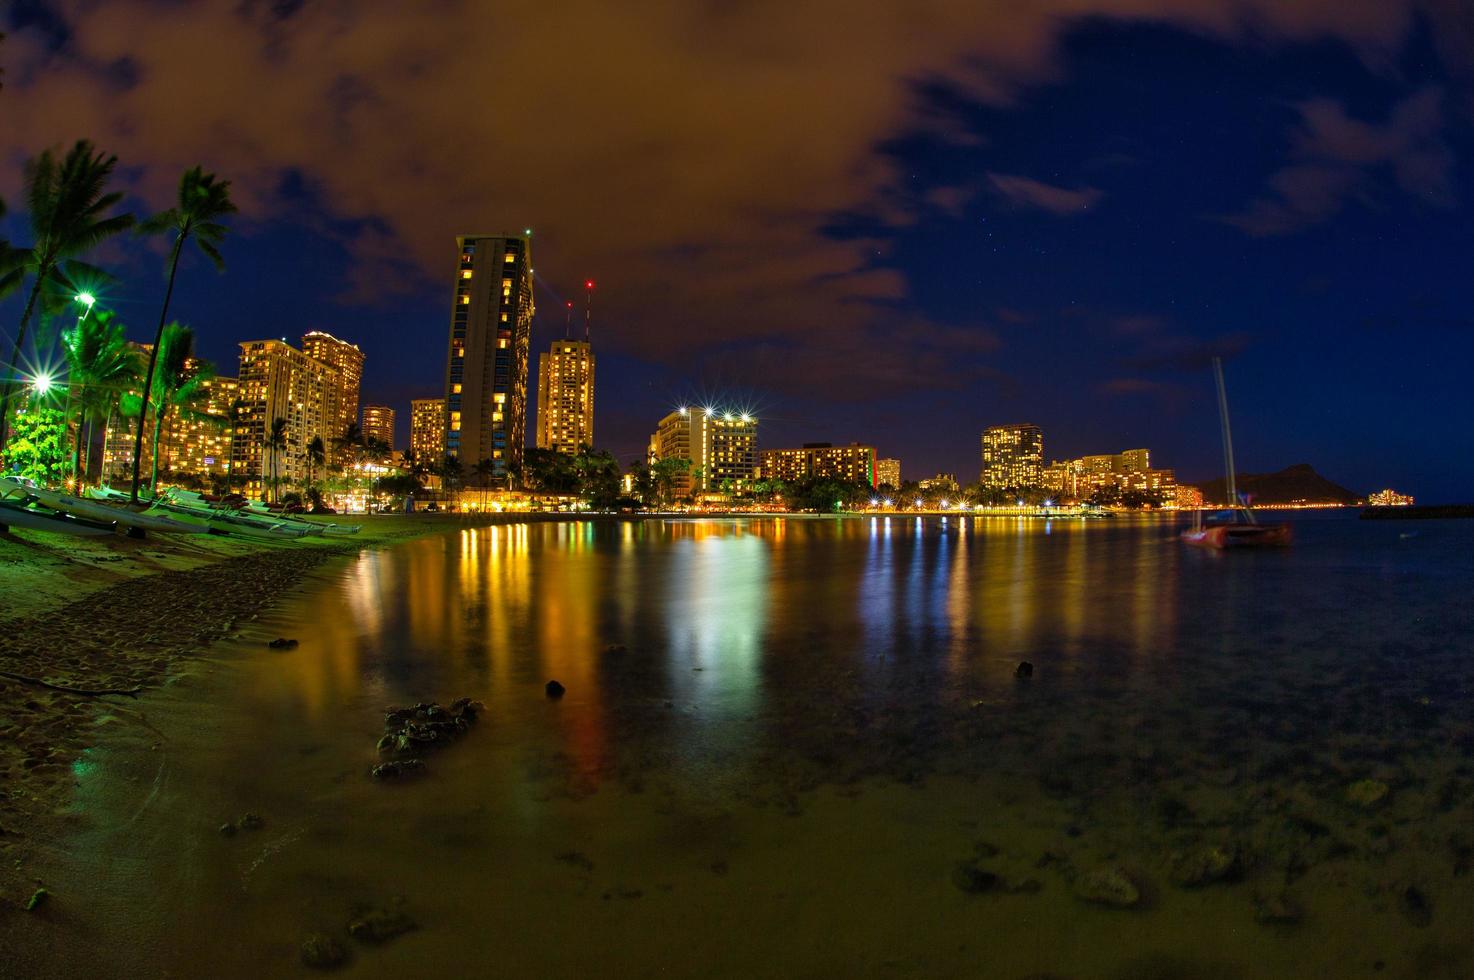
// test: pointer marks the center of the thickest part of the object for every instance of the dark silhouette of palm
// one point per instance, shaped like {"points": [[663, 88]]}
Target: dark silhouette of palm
{"points": [[101, 366], [316, 456], [203, 202], [67, 201], [276, 441]]}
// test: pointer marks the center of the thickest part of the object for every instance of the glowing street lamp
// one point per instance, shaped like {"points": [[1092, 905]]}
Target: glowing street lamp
{"points": [[86, 299], [42, 382]]}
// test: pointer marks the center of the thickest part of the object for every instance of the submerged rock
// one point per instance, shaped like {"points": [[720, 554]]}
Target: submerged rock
{"points": [[973, 880], [1204, 866], [1024, 669], [1277, 908], [554, 690], [227, 830], [322, 952], [251, 821], [1416, 907], [395, 768], [378, 925], [283, 643], [1108, 886], [1366, 793]]}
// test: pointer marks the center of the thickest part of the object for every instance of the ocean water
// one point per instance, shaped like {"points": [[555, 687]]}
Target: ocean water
{"points": [[800, 748]]}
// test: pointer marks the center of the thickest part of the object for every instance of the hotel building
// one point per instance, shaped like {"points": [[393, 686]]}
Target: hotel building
{"points": [[347, 360], [853, 463], [721, 446], [487, 353], [1013, 456], [888, 473], [378, 424], [186, 445], [278, 381], [1130, 469], [427, 429], [565, 397], [1390, 498]]}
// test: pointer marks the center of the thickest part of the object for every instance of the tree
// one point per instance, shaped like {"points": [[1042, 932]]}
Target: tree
{"points": [[101, 366], [666, 472], [452, 473], [276, 441], [598, 477], [38, 447], [67, 201], [316, 456], [203, 202], [178, 381], [643, 482], [482, 473]]}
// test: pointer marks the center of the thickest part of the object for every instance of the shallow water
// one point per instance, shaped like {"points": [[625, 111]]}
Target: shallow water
{"points": [[810, 724]]}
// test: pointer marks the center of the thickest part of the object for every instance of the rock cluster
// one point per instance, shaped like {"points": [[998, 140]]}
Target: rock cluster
{"points": [[409, 731]]}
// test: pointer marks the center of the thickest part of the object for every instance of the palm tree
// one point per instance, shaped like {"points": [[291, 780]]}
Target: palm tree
{"points": [[179, 378], [316, 456], [276, 442], [452, 472], [203, 202], [483, 472], [101, 366], [66, 201], [352, 438]]}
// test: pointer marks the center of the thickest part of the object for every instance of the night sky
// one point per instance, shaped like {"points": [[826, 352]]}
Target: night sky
{"points": [[892, 223]]}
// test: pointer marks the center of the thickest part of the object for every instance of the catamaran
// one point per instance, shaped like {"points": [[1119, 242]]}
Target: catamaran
{"points": [[15, 511], [1241, 530], [93, 510]]}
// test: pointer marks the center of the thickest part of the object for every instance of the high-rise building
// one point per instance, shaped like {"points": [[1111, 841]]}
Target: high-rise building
{"points": [[347, 360], [427, 428], [1123, 471], [378, 424], [721, 446], [565, 396], [888, 473], [486, 360], [853, 463], [1013, 456], [1390, 498], [196, 441], [278, 381]]}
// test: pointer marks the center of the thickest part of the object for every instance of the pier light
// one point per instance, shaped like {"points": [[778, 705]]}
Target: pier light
{"points": [[918, 503]]}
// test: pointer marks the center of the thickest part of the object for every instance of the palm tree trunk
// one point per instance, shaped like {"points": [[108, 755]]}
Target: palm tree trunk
{"points": [[77, 452], [153, 360], [20, 338], [153, 479]]}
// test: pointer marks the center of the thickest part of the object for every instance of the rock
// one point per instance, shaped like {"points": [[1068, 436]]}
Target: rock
{"points": [[1108, 886], [397, 768], [251, 821], [227, 830], [973, 880], [37, 899], [282, 643], [322, 952], [1024, 669], [375, 925], [1277, 908], [1416, 907], [554, 690], [1366, 793], [1204, 866]]}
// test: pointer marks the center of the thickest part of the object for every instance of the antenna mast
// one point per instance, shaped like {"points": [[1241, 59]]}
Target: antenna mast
{"points": [[588, 307]]}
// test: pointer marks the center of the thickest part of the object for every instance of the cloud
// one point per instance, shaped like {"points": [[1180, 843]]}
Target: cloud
{"points": [[1337, 157], [1028, 193], [1180, 353], [689, 156]]}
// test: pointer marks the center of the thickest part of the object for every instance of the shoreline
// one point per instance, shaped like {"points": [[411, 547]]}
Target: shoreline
{"points": [[122, 615]]}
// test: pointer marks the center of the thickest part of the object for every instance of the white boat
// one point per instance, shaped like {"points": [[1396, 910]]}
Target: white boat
{"points": [[13, 514], [106, 512]]}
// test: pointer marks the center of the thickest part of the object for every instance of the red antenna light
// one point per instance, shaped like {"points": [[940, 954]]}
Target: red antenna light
{"points": [[589, 284]]}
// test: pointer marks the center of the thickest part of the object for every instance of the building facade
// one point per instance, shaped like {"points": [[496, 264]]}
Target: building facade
{"points": [[888, 473], [195, 442], [721, 446], [378, 424], [1129, 470], [1390, 498], [486, 358], [565, 397], [427, 429], [347, 360], [1013, 456], [853, 463], [278, 381]]}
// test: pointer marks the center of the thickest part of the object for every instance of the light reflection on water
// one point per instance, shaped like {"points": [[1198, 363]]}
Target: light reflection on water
{"points": [[757, 693]]}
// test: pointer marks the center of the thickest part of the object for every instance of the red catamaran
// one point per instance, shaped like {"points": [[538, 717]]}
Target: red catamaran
{"points": [[1241, 530]]}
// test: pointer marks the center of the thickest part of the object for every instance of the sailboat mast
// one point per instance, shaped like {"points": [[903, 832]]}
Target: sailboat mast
{"points": [[1233, 490]]}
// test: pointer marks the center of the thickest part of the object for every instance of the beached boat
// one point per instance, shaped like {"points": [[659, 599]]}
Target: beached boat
{"points": [[15, 514], [94, 510], [1240, 529]]}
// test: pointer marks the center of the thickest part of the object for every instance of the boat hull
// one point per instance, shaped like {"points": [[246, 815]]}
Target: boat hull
{"points": [[17, 515], [1225, 537]]}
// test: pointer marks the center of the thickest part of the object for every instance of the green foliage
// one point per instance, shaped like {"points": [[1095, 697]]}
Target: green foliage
{"points": [[827, 495], [37, 448]]}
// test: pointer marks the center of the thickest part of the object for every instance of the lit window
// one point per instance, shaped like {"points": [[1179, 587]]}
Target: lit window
{"points": [[465, 299], [503, 343], [465, 273], [455, 389], [509, 258]]}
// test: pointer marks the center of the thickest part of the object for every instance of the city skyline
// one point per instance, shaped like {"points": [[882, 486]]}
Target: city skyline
{"points": [[1065, 242]]}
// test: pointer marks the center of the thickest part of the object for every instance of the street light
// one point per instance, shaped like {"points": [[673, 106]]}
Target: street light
{"points": [[42, 382], [86, 299]]}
